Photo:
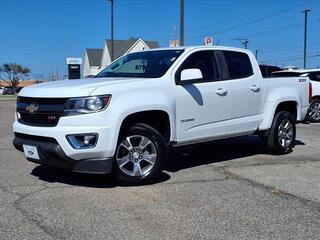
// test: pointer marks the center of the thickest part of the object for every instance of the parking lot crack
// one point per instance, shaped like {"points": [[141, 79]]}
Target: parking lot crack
{"points": [[18, 206], [197, 181], [291, 162], [274, 191]]}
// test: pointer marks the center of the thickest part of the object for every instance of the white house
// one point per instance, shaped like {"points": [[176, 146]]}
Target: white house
{"points": [[97, 59], [92, 61]]}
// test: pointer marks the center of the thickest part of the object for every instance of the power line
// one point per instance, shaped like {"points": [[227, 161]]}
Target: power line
{"points": [[232, 18], [275, 30], [292, 58], [290, 48], [256, 20], [299, 58]]}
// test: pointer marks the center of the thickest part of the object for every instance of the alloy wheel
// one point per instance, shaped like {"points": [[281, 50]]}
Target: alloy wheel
{"points": [[285, 133], [314, 113], [136, 155]]}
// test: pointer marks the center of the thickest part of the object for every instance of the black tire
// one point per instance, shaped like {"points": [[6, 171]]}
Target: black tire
{"points": [[314, 104], [273, 142], [159, 146]]}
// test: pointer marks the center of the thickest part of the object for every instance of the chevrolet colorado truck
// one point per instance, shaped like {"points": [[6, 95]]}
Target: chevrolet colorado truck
{"points": [[123, 120]]}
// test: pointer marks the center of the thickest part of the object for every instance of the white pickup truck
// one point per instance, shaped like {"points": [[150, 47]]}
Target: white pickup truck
{"points": [[123, 120]]}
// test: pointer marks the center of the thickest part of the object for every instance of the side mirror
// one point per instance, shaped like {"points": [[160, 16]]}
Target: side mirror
{"points": [[191, 74]]}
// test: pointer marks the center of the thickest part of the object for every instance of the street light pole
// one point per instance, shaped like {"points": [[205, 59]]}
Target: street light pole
{"points": [[245, 43], [305, 37], [181, 22], [112, 24], [257, 53]]}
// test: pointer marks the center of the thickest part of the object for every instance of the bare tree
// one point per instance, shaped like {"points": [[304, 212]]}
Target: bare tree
{"points": [[13, 73]]}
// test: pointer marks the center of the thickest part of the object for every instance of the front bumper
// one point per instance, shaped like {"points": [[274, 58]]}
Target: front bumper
{"points": [[51, 154], [105, 146]]}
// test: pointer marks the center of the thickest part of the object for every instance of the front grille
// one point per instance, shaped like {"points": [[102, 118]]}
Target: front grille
{"points": [[42, 100], [42, 112]]}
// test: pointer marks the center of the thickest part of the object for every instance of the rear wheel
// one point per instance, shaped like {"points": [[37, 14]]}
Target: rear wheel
{"points": [[314, 111], [282, 133], [140, 155]]}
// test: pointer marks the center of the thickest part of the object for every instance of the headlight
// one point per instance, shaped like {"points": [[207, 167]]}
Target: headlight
{"points": [[84, 105]]}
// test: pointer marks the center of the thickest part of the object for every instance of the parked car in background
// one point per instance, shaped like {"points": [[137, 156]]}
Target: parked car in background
{"points": [[8, 90], [1, 90], [314, 75], [267, 70], [18, 89]]}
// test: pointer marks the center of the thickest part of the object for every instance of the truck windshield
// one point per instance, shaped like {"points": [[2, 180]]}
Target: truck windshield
{"points": [[148, 64]]}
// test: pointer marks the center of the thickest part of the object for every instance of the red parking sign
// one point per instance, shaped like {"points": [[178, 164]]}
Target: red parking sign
{"points": [[208, 41]]}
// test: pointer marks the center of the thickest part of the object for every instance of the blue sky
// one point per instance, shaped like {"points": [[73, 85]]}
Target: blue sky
{"points": [[39, 34]]}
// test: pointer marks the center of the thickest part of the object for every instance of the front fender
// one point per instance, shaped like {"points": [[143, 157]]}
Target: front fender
{"points": [[123, 105]]}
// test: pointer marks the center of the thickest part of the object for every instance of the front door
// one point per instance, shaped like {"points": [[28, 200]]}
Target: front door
{"points": [[201, 106]]}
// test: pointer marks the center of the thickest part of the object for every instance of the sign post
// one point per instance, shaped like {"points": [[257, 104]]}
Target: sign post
{"points": [[74, 67]]}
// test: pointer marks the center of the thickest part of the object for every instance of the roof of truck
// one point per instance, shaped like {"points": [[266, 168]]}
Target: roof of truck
{"points": [[200, 46]]}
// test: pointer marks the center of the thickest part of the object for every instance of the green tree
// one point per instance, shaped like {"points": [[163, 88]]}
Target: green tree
{"points": [[13, 73]]}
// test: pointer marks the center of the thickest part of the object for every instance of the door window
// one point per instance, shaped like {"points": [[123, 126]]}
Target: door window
{"points": [[203, 60], [238, 64]]}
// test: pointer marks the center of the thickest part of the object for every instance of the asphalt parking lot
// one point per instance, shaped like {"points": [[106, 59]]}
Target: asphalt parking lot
{"points": [[229, 189]]}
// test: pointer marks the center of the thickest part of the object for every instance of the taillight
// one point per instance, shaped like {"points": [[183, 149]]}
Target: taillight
{"points": [[310, 92]]}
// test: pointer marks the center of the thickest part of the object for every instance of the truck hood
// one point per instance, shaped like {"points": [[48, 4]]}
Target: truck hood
{"points": [[73, 88]]}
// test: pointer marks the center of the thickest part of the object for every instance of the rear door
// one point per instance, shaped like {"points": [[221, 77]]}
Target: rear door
{"points": [[245, 92]]}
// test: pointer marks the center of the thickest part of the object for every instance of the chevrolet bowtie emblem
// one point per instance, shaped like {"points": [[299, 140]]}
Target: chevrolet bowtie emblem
{"points": [[32, 108]]}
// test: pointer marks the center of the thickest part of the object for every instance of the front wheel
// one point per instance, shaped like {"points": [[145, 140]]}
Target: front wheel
{"points": [[282, 133], [314, 111], [140, 155]]}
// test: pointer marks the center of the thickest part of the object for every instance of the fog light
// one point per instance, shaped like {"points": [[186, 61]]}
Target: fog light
{"points": [[89, 140], [81, 141]]}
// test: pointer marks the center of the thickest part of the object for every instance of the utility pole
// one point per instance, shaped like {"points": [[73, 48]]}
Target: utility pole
{"points": [[112, 24], [257, 53], [175, 40], [181, 22], [244, 41], [305, 37]]}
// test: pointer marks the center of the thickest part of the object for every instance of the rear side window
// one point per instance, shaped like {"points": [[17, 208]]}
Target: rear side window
{"points": [[314, 76], [238, 63]]}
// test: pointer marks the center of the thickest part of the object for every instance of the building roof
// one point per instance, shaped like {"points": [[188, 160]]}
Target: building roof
{"points": [[94, 56], [120, 47]]}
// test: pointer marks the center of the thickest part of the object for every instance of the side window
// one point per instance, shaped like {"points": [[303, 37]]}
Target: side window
{"points": [[314, 76], [238, 63], [203, 60]]}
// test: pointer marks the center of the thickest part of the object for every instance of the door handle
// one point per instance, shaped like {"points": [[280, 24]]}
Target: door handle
{"points": [[255, 88], [221, 91]]}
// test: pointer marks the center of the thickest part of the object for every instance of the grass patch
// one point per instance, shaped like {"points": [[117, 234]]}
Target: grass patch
{"points": [[8, 97]]}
